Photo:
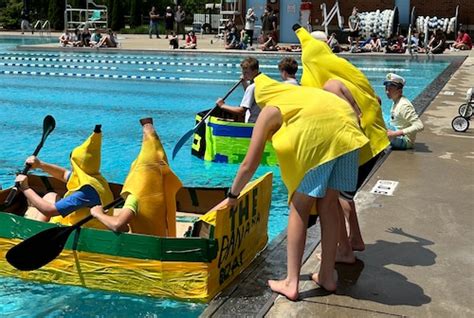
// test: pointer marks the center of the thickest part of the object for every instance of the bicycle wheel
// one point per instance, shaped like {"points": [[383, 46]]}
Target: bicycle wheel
{"points": [[465, 110], [460, 124]]}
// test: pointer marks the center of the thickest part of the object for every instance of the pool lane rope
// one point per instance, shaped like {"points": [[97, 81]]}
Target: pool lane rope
{"points": [[88, 67], [117, 76], [73, 60]]}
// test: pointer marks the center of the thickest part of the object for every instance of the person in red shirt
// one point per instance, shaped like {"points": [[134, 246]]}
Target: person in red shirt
{"points": [[463, 41], [191, 41]]}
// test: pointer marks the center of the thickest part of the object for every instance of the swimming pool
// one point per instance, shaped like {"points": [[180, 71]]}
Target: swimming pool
{"points": [[84, 89]]}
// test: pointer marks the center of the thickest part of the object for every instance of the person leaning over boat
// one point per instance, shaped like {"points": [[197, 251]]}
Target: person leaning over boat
{"points": [[248, 107], [288, 68], [317, 139], [149, 191], [403, 116], [86, 187]]}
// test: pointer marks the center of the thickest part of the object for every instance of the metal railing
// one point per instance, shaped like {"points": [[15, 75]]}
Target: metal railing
{"points": [[41, 27]]}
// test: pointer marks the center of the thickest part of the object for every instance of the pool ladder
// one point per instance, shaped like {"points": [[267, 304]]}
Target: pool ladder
{"points": [[41, 27]]}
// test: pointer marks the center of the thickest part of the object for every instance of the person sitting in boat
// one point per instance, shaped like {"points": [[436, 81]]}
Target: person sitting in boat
{"points": [[248, 106], [149, 191], [288, 68], [86, 187]]}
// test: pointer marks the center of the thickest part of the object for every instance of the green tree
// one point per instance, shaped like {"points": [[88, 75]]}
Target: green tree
{"points": [[10, 14], [118, 20], [56, 14], [136, 8]]}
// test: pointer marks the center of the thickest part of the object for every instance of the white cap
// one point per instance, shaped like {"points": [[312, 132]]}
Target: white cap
{"points": [[393, 78], [319, 35]]}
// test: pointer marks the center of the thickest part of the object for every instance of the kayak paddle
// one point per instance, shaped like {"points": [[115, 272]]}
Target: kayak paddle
{"points": [[45, 246], [188, 134], [48, 126]]}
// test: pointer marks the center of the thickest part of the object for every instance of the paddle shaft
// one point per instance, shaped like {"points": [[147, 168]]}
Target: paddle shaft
{"points": [[189, 133], [48, 127], [203, 119], [112, 204]]}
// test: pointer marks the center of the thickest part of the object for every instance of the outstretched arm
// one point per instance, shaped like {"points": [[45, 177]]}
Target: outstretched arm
{"points": [[57, 172], [268, 122]]}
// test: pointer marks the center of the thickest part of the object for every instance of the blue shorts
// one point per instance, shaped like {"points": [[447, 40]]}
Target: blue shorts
{"points": [[338, 174], [86, 196]]}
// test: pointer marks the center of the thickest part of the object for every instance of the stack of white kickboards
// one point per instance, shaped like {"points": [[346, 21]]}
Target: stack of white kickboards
{"points": [[427, 24], [377, 22]]}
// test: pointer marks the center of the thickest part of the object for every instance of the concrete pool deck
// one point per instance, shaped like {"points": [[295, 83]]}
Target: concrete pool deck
{"points": [[419, 253]]}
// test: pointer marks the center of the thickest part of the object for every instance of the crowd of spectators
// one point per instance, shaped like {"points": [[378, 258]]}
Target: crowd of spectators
{"points": [[85, 38]]}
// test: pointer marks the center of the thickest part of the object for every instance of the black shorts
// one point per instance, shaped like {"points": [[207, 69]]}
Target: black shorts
{"points": [[364, 172]]}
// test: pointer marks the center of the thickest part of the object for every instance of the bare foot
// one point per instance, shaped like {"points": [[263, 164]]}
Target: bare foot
{"points": [[328, 284], [348, 258], [284, 287]]}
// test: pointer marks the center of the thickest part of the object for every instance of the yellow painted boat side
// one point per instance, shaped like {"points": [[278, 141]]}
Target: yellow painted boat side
{"points": [[180, 280]]}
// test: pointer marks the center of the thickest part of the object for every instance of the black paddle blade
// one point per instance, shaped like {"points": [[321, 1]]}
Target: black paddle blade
{"points": [[48, 125], [40, 249], [182, 141]]}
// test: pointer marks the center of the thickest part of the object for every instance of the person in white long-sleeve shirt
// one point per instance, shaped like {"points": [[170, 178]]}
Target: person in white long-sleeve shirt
{"points": [[403, 116]]}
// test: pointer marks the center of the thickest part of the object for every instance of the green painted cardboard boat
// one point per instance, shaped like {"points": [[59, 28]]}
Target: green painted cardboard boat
{"points": [[225, 138], [222, 244]]}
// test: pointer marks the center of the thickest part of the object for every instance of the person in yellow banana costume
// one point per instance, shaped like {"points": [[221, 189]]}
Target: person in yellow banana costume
{"points": [[317, 139], [150, 192], [323, 69], [85, 185]]}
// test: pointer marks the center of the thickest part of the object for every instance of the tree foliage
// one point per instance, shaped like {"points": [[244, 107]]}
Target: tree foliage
{"points": [[10, 14], [136, 11], [56, 14], [118, 19]]}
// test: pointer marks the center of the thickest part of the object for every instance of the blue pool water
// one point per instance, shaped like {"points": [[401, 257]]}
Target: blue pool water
{"points": [[115, 90]]}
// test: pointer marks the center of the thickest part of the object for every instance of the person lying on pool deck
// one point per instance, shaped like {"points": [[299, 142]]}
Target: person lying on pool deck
{"points": [[149, 191], [85, 184]]}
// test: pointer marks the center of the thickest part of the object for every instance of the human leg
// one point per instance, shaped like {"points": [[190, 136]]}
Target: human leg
{"points": [[344, 249], [329, 218], [297, 224], [355, 236], [34, 214]]}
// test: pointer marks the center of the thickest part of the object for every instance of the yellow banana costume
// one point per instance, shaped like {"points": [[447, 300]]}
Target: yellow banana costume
{"points": [[317, 127], [85, 163], [320, 64], [154, 184]]}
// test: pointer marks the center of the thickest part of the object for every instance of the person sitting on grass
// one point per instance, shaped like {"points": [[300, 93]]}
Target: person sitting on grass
{"points": [[191, 41]]}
